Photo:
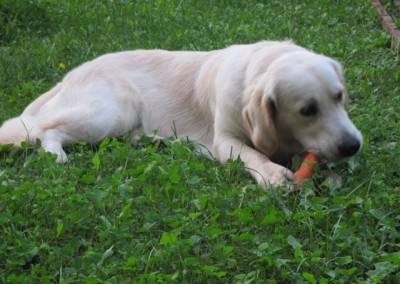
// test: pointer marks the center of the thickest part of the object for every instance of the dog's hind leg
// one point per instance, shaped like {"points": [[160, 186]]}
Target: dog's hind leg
{"points": [[34, 107]]}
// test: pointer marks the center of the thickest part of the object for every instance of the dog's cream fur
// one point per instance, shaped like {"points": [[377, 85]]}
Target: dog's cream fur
{"points": [[263, 102]]}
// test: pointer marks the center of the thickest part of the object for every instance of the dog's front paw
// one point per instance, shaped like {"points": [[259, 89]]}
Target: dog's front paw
{"points": [[273, 175]]}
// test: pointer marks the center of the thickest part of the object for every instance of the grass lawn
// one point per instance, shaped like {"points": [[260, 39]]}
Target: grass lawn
{"points": [[117, 213]]}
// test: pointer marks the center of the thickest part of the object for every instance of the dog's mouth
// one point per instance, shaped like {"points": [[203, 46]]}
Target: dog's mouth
{"points": [[346, 147], [333, 156]]}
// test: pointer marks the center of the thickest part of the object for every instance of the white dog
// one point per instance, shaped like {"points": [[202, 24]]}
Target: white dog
{"points": [[261, 102]]}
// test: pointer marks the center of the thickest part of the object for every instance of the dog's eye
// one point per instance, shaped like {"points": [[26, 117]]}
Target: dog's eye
{"points": [[339, 96], [310, 110]]}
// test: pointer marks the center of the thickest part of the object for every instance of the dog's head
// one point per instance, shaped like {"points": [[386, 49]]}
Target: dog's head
{"points": [[299, 104]]}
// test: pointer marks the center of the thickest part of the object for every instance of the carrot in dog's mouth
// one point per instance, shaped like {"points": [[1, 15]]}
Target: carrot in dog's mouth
{"points": [[306, 169]]}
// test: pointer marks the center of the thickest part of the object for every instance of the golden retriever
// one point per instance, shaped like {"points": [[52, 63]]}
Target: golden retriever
{"points": [[262, 102]]}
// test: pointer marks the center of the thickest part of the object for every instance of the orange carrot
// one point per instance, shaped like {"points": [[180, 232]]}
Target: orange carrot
{"points": [[306, 169]]}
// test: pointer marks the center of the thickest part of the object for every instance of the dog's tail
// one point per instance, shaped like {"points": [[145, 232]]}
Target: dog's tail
{"points": [[17, 130], [25, 128]]}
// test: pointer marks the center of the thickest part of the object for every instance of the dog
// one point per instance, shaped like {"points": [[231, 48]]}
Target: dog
{"points": [[262, 102]]}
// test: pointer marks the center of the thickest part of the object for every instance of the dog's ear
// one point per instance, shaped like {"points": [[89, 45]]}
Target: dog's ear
{"points": [[258, 120]]}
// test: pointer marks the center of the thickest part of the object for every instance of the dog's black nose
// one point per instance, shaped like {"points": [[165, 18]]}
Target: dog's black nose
{"points": [[349, 146]]}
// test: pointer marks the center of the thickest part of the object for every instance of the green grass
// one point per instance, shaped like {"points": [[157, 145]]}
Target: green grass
{"points": [[117, 213]]}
